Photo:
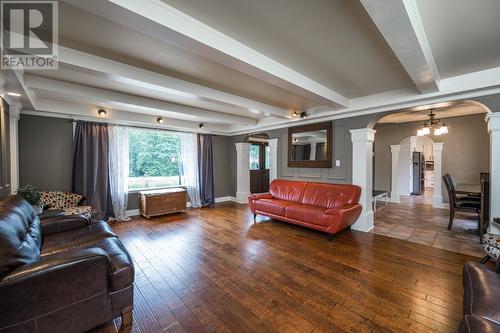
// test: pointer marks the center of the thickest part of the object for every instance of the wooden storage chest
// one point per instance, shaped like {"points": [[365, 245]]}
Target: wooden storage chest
{"points": [[161, 202]]}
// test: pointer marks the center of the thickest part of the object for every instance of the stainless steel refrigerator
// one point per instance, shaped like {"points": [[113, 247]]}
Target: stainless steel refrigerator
{"points": [[418, 172]]}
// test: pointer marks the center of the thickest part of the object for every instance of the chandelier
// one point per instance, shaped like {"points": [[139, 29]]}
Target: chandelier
{"points": [[432, 123]]}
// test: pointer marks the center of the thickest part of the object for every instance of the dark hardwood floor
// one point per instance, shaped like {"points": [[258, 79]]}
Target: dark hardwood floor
{"points": [[214, 270]]}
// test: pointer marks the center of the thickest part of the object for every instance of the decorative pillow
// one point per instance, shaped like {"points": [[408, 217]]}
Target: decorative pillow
{"points": [[79, 210], [491, 244], [52, 199], [60, 200], [70, 199]]}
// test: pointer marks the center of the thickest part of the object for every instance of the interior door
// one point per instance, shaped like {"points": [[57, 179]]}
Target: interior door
{"points": [[259, 167]]}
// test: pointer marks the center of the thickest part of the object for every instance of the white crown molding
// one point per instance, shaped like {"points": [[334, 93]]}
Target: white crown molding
{"points": [[157, 19]]}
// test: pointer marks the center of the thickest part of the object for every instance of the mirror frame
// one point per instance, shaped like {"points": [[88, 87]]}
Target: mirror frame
{"points": [[308, 128]]}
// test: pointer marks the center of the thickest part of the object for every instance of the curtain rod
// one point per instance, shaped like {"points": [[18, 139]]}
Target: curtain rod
{"points": [[134, 126]]}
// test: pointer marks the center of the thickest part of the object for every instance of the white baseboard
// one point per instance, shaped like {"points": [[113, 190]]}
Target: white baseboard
{"points": [[135, 212]]}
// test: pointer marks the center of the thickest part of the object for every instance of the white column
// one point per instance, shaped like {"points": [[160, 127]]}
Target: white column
{"points": [[395, 173], [493, 120], [273, 159], [242, 172], [14, 114], [437, 152], [362, 174]]}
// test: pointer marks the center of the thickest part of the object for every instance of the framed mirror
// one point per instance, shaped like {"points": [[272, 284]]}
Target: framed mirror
{"points": [[310, 146]]}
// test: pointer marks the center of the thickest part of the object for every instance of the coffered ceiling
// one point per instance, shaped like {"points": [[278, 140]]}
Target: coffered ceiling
{"points": [[243, 66]]}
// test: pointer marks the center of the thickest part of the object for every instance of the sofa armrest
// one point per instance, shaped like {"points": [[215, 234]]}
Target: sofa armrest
{"points": [[52, 225], [52, 283], [346, 215], [257, 196]]}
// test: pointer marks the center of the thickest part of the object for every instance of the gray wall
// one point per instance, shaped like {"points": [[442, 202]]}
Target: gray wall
{"points": [[465, 150], [45, 156], [342, 150], [45, 152]]}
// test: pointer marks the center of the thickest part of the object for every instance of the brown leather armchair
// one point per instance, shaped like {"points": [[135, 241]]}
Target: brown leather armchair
{"points": [[481, 299], [65, 275]]}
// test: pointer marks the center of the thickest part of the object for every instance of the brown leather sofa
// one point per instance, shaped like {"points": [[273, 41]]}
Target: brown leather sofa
{"points": [[63, 275], [481, 299], [326, 207]]}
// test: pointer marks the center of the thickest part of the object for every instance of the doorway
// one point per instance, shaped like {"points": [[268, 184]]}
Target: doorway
{"points": [[259, 167]]}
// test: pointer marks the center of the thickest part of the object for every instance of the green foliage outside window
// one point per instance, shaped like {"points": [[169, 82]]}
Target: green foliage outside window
{"points": [[153, 153]]}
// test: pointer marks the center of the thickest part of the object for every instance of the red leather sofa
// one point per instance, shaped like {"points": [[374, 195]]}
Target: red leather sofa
{"points": [[325, 207]]}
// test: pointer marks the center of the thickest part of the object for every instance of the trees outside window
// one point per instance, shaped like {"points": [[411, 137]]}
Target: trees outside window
{"points": [[154, 159]]}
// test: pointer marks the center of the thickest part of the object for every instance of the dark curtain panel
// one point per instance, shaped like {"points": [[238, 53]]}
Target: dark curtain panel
{"points": [[206, 170], [90, 166]]}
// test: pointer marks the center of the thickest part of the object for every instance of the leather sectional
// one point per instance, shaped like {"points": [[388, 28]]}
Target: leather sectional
{"points": [[63, 275], [481, 295], [326, 207]]}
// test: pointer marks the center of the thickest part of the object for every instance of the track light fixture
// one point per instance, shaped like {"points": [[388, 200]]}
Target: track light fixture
{"points": [[159, 120], [201, 126], [102, 113]]}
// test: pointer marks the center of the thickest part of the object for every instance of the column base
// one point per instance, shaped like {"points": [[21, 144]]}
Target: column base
{"points": [[364, 222], [437, 201], [242, 197], [394, 197]]}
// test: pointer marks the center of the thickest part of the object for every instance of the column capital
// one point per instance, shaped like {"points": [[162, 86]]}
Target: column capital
{"points": [[15, 111], [273, 142], [395, 148], [242, 146], [493, 121], [363, 135], [437, 146]]}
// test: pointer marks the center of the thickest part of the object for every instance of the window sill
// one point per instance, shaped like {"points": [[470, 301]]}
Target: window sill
{"points": [[154, 188]]}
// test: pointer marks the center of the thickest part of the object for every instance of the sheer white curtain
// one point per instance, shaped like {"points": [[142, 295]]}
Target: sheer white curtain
{"points": [[189, 167], [118, 170]]}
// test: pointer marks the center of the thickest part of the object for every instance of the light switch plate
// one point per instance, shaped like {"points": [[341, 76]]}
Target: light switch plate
{"points": [[337, 163]]}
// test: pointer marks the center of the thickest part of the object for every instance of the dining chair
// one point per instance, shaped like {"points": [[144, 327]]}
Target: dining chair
{"points": [[464, 204]]}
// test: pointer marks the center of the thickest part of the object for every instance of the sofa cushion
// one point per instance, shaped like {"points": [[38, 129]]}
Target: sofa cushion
{"points": [[272, 206], [287, 190], [481, 291], [20, 234], [311, 214], [80, 237], [330, 195]]}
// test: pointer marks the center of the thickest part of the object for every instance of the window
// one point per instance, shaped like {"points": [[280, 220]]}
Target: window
{"points": [[255, 157], [154, 159]]}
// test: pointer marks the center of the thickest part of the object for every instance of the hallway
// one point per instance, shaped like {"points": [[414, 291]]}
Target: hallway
{"points": [[415, 220]]}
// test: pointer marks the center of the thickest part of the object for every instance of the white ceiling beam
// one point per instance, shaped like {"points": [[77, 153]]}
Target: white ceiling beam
{"points": [[157, 19], [139, 77], [400, 24], [53, 108], [108, 96]]}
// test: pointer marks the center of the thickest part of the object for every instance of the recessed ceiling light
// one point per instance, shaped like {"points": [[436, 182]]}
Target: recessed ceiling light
{"points": [[159, 120], [101, 113], [11, 93], [201, 125]]}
